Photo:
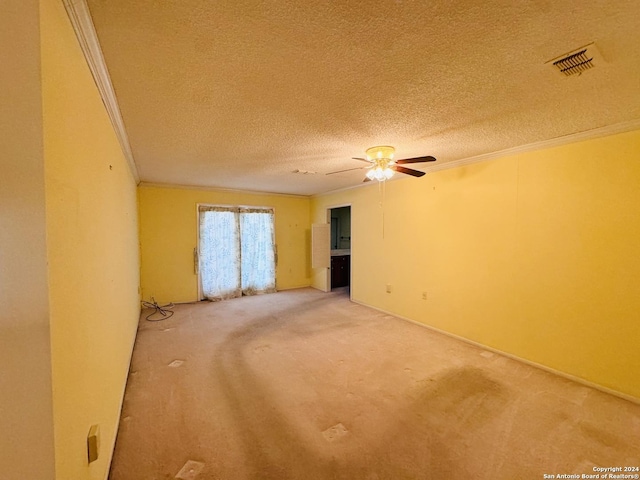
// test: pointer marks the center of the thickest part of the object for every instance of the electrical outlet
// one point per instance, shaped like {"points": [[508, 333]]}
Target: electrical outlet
{"points": [[424, 295], [388, 288]]}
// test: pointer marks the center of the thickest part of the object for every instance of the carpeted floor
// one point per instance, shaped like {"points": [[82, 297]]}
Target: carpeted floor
{"points": [[307, 385]]}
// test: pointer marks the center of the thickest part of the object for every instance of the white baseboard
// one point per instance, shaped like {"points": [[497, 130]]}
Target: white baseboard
{"points": [[280, 289], [124, 387], [560, 373]]}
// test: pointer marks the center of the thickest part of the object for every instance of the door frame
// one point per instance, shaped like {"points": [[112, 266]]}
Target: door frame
{"points": [[328, 273]]}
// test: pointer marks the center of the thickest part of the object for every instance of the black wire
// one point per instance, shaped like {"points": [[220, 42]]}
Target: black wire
{"points": [[163, 310]]}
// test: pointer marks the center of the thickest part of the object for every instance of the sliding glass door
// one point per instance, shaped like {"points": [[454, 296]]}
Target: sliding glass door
{"points": [[236, 251]]}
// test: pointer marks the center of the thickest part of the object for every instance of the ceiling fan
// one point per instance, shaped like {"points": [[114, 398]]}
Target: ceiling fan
{"points": [[382, 165]]}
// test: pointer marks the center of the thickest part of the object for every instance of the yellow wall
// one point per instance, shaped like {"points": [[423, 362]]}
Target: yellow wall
{"points": [[168, 235], [536, 255], [92, 249], [26, 416]]}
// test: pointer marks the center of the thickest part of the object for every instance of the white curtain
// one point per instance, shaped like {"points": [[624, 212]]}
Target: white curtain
{"points": [[219, 253], [258, 266], [237, 251]]}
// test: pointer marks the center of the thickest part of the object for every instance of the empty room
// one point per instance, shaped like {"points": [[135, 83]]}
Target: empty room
{"points": [[305, 240]]}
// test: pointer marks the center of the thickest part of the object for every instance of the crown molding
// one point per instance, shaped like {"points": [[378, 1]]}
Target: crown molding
{"points": [[217, 189], [553, 142], [80, 16]]}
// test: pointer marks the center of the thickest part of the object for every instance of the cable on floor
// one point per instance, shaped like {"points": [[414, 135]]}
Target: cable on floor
{"points": [[163, 310]]}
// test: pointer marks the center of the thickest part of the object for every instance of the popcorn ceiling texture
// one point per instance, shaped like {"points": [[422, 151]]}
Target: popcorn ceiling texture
{"points": [[240, 94]]}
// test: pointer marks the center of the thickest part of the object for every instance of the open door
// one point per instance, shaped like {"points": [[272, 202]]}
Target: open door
{"points": [[320, 245], [321, 248]]}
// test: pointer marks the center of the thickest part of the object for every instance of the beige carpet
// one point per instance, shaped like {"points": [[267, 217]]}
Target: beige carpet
{"points": [[308, 385]]}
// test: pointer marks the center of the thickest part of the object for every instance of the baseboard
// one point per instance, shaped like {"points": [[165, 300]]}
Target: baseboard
{"points": [[568, 376], [117, 425], [283, 289]]}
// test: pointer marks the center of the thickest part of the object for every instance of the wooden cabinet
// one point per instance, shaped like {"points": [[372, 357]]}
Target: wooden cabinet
{"points": [[340, 270]]}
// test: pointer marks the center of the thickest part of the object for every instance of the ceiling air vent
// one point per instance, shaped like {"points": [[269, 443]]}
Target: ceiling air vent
{"points": [[577, 61]]}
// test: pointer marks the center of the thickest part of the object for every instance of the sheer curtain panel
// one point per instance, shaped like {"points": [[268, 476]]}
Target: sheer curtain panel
{"points": [[219, 253], [258, 267], [237, 251]]}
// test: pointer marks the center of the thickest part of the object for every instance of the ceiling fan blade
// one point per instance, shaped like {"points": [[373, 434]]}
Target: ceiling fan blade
{"points": [[408, 171], [416, 160], [366, 179], [347, 170], [361, 159]]}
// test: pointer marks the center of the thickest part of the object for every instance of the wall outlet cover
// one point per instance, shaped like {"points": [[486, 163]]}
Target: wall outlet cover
{"points": [[93, 443]]}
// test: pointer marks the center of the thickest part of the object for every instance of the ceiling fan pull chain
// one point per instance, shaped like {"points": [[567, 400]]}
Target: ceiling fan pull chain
{"points": [[382, 190]]}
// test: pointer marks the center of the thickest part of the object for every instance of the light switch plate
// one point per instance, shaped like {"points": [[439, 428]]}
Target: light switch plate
{"points": [[93, 443]]}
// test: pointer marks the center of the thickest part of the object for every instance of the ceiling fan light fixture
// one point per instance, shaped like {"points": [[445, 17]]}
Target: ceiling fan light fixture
{"points": [[382, 166], [380, 173], [382, 159], [380, 152]]}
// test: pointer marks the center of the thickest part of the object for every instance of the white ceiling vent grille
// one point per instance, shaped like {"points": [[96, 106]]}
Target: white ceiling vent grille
{"points": [[577, 61]]}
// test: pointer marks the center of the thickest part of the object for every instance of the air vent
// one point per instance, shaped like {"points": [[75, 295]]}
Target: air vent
{"points": [[577, 61]]}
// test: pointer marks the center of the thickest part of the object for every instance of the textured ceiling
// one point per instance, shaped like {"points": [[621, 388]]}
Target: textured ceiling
{"points": [[239, 94]]}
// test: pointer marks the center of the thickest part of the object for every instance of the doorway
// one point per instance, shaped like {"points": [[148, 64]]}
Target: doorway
{"points": [[340, 271]]}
